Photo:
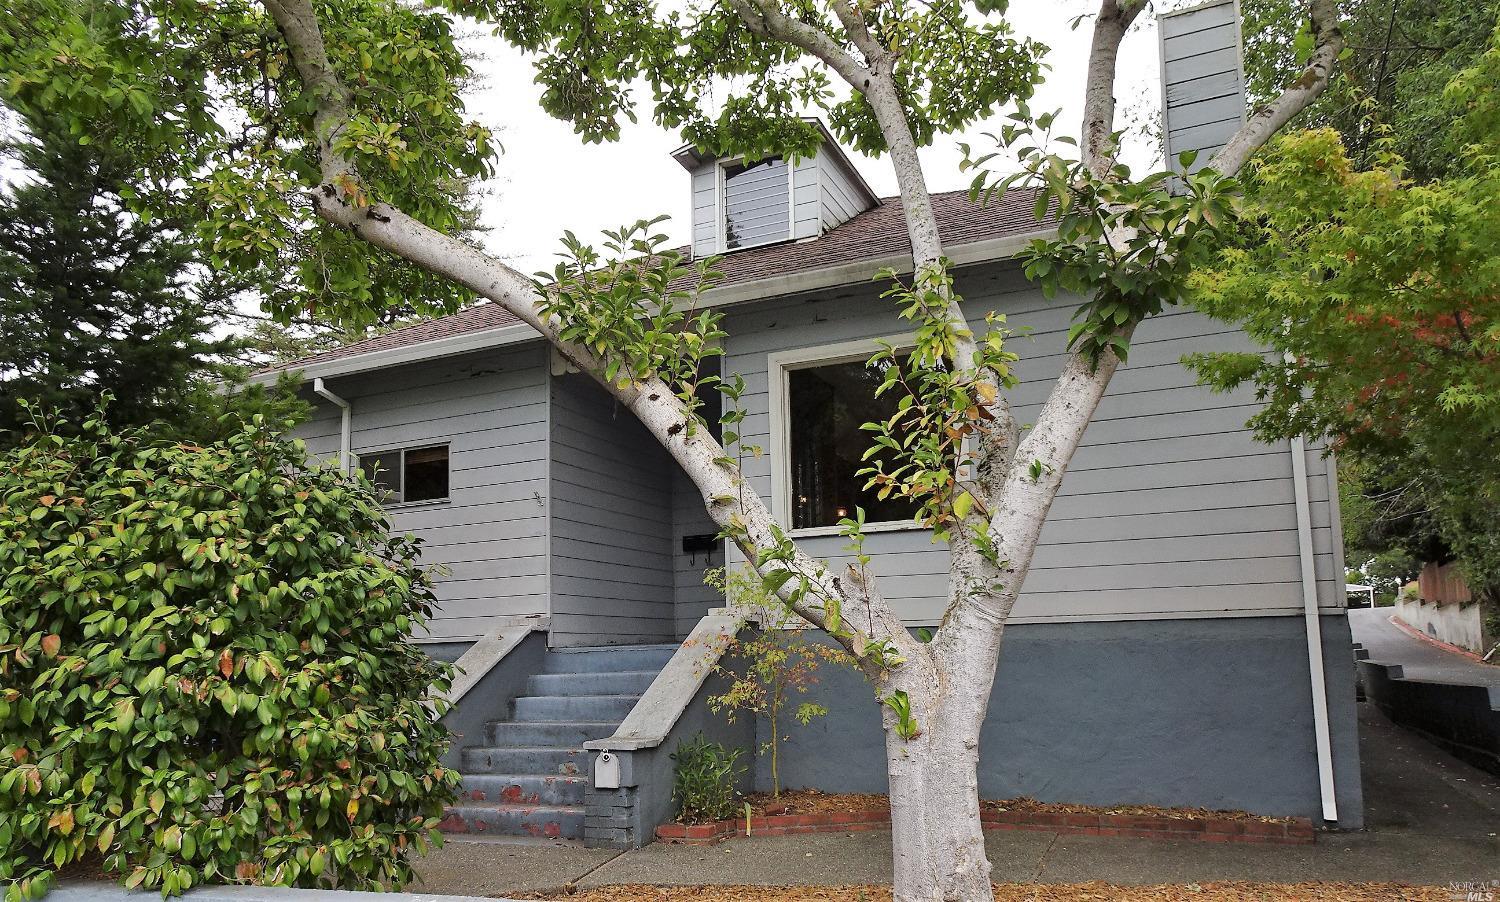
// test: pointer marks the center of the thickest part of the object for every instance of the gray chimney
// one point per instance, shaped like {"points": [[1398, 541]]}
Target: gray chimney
{"points": [[1202, 79]]}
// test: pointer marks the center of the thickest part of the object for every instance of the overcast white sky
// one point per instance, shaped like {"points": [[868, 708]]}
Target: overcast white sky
{"points": [[548, 180]]}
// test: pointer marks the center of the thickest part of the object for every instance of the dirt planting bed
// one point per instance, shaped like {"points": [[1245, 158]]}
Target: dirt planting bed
{"points": [[810, 811]]}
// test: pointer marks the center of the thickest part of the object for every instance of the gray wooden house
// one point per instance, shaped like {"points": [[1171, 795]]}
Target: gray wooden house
{"points": [[1181, 639]]}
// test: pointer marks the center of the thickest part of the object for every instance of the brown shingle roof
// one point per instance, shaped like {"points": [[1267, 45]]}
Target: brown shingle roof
{"points": [[471, 319], [881, 232], [877, 233]]}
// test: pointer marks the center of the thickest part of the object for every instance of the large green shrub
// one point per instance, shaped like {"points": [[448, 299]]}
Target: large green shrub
{"points": [[203, 668]]}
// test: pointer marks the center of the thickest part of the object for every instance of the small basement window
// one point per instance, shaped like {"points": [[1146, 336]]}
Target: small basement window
{"points": [[408, 474], [757, 203], [826, 406]]}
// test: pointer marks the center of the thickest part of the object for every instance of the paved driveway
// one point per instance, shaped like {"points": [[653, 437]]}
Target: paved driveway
{"points": [[1389, 644]]}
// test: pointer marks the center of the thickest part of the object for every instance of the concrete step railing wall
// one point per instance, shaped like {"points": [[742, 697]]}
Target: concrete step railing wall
{"points": [[624, 813], [527, 775], [491, 673], [1465, 720]]}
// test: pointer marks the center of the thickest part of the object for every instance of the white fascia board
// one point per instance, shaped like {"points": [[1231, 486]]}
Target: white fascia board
{"points": [[839, 275]]}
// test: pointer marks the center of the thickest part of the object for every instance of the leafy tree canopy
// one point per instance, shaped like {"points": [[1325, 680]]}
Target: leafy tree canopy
{"points": [[201, 97], [732, 91], [207, 100], [92, 296], [1400, 56], [1381, 297]]}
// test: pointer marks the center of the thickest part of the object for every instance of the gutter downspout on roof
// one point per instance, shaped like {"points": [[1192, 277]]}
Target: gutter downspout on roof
{"points": [[345, 423], [1317, 671]]}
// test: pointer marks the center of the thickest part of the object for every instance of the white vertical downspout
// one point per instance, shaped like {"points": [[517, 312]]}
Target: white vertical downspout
{"points": [[345, 423], [1318, 674]]}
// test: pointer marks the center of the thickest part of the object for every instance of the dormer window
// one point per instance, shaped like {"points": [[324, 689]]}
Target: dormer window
{"points": [[757, 203], [739, 204]]}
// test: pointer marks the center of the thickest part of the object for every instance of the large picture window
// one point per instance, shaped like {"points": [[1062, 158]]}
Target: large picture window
{"points": [[408, 474], [757, 204], [826, 405]]}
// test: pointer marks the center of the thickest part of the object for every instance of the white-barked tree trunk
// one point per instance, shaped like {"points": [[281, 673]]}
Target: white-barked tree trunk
{"points": [[933, 773]]}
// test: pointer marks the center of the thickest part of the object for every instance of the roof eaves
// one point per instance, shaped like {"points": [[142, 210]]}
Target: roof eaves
{"points": [[447, 346], [853, 273]]}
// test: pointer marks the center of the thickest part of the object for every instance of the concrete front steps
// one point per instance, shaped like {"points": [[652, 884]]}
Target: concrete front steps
{"points": [[528, 775]]}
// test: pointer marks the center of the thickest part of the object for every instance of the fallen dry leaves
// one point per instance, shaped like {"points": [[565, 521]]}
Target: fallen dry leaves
{"points": [[1029, 892]]}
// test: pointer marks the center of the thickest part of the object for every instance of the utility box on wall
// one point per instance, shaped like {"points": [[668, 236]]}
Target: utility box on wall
{"points": [[607, 771]]}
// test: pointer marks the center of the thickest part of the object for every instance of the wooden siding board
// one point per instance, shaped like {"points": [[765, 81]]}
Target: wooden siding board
{"points": [[465, 387], [806, 219], [691, 596], [1207, 87], [1222, 34], [610, 486], [1196, 20], [1218, 61], [705, 186], [1173, 504], [488, 538], [1211, 110], [841, 198]]}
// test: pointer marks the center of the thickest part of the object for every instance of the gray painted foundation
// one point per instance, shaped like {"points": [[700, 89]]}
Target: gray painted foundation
{"points": [[447, 652], [1213, 713]]}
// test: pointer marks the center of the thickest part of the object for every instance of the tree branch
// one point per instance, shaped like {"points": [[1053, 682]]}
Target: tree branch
{"points": [[1036, 472], [859, 32], [298, 25], [1328, 43], [876, 83], [1098, 146], [739, 513], [765, 20]]}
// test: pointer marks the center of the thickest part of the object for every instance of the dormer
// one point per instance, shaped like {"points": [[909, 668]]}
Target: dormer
{"points": [[740, 204]]}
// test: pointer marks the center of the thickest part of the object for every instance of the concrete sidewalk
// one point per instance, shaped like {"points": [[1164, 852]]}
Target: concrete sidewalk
{"points": [[1432, 819], [1419, 660]]}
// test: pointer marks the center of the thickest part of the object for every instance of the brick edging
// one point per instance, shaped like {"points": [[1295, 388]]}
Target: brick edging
{"points": [[1297, 831]]}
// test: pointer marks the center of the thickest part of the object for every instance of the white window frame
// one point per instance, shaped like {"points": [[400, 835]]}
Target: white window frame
{"points": [[377, 450], [721, 210], [778, 389]]}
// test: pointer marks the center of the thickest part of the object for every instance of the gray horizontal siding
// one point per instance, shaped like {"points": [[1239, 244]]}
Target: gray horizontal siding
{"points": [[806, 205], [1202, 84], [840, 197], [487, 543], [611, 522], [705, 187], [692, 597], [824, 193], [1172, 507]]}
